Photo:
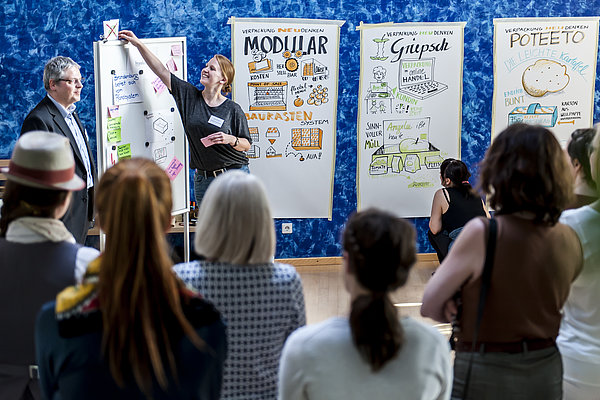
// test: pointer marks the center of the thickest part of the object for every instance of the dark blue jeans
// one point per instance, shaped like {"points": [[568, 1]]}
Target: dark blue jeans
{"points": [[201, 184]]}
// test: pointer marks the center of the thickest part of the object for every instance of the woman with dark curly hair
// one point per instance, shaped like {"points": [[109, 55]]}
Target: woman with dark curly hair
{"points": [[512, 353]]}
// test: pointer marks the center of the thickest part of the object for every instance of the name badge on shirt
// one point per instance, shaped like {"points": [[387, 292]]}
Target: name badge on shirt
{"points": [[216, 121]]}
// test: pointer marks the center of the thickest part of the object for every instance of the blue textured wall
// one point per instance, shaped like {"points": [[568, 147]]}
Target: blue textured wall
{"points": [[31, 32]]}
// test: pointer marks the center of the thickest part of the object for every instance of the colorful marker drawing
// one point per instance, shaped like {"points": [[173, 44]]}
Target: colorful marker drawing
{"points": [[406, 147], [312, 67], [318, 96], [307, 138], [260, 62], [380, 56], [291, 60], [544, 76], [534, 114], [379, 96], [415, 78], [254, 134], [272, 153], [253, 151], [267, 96]]}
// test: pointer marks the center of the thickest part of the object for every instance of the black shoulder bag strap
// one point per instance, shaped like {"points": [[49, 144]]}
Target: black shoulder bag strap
{"points": [[486, 277]]}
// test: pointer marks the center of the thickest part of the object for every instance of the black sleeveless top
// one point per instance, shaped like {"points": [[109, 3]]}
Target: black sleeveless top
{"points": [[461, 210]]}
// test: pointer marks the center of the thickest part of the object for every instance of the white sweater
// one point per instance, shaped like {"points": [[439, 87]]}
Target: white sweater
{"points": [[321, 362], [579, 336]]}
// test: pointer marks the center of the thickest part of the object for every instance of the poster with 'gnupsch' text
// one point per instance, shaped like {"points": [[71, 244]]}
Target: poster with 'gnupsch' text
{"points": [[544, 73], [286, 82], [409, 113]]}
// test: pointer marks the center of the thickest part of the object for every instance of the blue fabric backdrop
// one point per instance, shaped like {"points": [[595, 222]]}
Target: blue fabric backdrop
{"points": [[31, 32]]}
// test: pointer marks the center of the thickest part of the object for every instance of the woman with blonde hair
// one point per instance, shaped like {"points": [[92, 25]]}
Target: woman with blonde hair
{"points": [[261, 301], [131, 329], [506, 345], [216, 127], [372, 354]]}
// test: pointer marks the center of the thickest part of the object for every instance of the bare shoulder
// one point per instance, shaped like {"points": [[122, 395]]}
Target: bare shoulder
{"points": [[475, 227], [570, 243]]}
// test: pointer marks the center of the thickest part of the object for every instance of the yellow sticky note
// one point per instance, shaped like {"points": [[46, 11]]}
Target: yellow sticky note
{"points": [[124, 151], [114, 129]]}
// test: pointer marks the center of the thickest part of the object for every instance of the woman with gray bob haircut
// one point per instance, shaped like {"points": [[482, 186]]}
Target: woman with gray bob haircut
{"points": [[262, 301], [235, 225]]}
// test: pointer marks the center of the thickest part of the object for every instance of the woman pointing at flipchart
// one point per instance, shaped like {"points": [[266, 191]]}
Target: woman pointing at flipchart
{"points": [[215, 126]]}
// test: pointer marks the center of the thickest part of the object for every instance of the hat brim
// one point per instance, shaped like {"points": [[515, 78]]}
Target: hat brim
{"points": [[73, 185]]}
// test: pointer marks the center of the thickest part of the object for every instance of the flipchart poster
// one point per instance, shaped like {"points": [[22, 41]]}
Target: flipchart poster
{"points": [[286, 82], [544, 73], [409, 116]]}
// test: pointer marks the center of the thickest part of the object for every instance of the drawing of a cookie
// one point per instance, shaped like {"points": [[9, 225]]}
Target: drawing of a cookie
{"points": [[545, 76]]}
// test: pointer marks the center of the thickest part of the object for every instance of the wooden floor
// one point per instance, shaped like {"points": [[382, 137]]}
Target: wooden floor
{"points": [[326, 297]]}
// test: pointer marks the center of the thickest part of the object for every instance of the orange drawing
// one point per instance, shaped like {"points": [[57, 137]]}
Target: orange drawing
{"points": [[307, 138]]}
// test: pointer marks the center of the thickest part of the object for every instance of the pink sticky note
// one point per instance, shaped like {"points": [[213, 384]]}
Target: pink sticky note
{"points": [[158, 86], [206, 142], [176, 50], [113, 111], [173, 169], [171, 66]]}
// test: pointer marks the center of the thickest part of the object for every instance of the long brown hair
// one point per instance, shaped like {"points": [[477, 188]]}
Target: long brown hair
{"points": [[381, 251], [138, 292]]}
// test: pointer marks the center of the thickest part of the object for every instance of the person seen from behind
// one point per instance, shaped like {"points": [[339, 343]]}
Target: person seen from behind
{"points": [[131, 330]]}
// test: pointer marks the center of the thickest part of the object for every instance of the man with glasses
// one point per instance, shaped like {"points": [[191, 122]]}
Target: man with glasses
{"points": [[56, 113]]}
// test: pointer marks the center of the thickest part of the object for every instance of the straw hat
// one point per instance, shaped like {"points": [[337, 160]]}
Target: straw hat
{"points": [[43, 160]]}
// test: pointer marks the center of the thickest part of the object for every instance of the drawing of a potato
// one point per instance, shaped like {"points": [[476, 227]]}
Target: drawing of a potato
{"points": [[543, 77]]}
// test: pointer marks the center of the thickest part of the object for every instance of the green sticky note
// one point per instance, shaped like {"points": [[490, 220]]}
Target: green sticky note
{"points": [[114, 129], [124, 151]]}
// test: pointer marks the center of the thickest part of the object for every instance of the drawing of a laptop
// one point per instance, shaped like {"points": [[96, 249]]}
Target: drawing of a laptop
{"points": [[415, 78]]}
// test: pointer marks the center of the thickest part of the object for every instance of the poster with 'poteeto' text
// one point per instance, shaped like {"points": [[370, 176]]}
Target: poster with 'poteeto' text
{"points": [[409, 112], [286, 82], [544, 73]]}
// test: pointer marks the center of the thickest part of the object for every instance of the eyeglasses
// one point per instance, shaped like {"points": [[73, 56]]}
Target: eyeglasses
{"points": [[73, 81]]}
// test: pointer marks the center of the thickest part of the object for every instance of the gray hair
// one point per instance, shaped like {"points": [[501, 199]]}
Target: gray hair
{"points": [[56, 67], [234, 221]]}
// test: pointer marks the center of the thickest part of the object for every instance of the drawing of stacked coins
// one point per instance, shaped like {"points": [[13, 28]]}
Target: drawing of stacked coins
{"points": [[318, 96]]}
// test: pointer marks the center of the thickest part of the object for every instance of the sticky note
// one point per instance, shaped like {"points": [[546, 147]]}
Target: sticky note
{"points": [[124, 151], [171, 66], [125, 88], [176, 50], [111, 29], [114, 130], [206, 142], [158, 86], [174, 167], [113, 111]]}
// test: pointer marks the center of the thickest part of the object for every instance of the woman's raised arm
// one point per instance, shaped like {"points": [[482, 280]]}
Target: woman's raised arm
{"points": [[153, 62]]}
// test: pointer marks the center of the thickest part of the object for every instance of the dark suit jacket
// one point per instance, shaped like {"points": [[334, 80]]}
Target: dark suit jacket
{"points": [[46, 117]]}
